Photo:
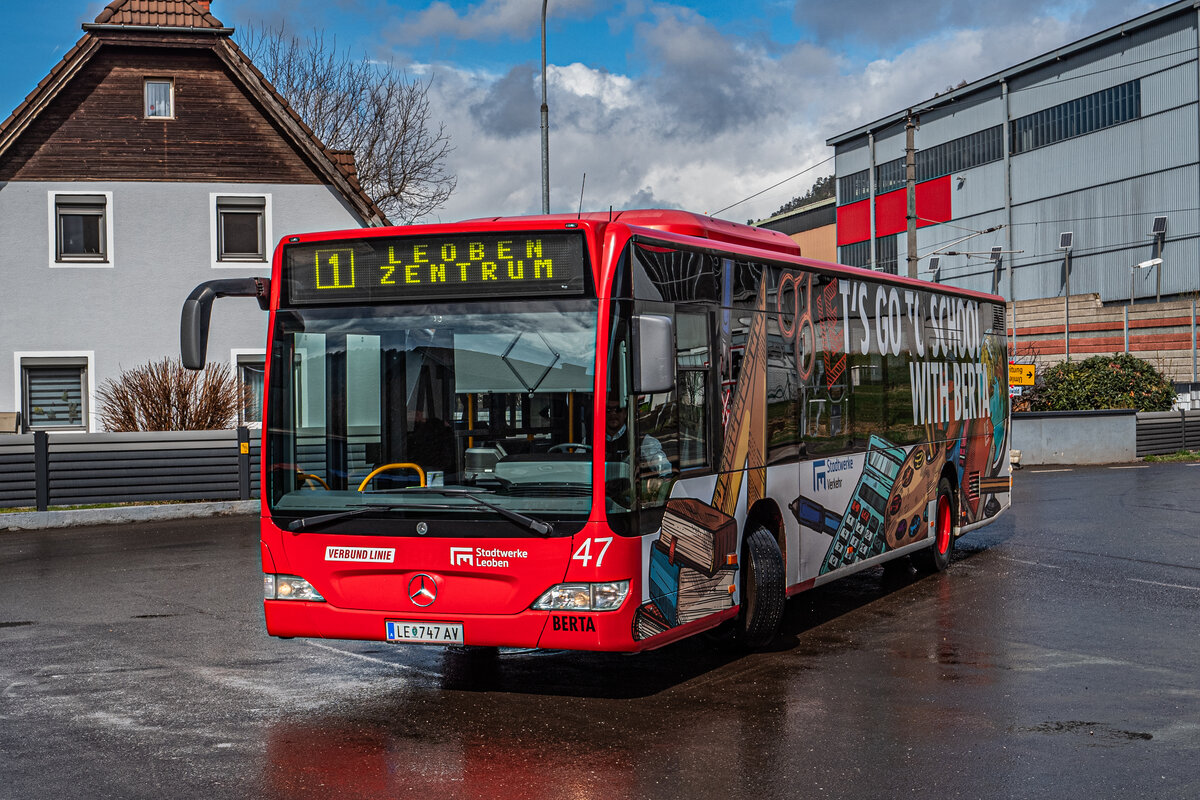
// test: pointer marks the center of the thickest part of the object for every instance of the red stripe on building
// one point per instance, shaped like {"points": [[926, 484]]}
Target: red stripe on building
{"points": [[891, 212], [1166, 322], [1106, 344], [854, 222]]}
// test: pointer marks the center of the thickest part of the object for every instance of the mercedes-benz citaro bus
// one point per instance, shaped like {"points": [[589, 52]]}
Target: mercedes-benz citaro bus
{"points": [[605, 431]]}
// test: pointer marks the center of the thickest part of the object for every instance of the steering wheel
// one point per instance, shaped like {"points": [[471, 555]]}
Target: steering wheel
{"points": [[304, 480], [387, 467], [309, 480], [570, 447]]}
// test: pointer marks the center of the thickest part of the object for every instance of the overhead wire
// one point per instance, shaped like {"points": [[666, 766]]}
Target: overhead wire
{"points": [[774, 186]]}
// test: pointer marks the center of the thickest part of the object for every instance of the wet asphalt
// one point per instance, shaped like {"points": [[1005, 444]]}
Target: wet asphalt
{"points": [[1058, 657]]}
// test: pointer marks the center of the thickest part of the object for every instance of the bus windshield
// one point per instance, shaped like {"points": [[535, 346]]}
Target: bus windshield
{"points": [[424, 410]]}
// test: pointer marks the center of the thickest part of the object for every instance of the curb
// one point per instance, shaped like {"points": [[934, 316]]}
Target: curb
{"points": [[42, 520]]}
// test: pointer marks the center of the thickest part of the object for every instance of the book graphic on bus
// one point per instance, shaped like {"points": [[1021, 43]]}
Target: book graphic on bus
{"points": [[692, 566], [698, 535]]}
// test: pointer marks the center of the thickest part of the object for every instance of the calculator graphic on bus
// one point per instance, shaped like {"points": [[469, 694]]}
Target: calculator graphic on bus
{"points": [[861, 534]]}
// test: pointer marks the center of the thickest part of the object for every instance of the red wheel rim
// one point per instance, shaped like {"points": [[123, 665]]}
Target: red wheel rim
{"points": [[942, 542]]}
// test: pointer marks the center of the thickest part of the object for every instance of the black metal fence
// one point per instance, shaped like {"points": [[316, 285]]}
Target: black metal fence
{"points": [[41, 470], [1162, 432]]}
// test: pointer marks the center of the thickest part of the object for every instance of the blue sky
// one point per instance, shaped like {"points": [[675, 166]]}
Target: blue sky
{"points": [[694, 105]]}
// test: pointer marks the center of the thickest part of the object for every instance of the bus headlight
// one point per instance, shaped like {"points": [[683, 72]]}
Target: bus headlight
{"points": [[583, 597], [289, 587]]}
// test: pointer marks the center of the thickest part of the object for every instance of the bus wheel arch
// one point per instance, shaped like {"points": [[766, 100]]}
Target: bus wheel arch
{"points": [[766, 514], [936, 558]]}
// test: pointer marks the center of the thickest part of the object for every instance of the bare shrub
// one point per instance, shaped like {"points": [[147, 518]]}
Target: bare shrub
{"points": [[164, 396]]}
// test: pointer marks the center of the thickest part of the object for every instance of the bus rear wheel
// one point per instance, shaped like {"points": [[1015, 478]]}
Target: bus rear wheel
{"points": [[763, 590], [937, 557]]}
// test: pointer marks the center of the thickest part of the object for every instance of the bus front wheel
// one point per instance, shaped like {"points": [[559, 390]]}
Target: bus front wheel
{"points": [[937, 557], [763, 590]]}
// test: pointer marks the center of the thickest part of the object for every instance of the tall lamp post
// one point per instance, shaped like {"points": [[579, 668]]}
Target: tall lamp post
{"points": [[1154, 262], [545, 123], [1066, 241]]}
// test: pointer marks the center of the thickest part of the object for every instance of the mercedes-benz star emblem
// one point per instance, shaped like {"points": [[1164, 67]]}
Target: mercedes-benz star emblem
{"points": [[422, 590]]}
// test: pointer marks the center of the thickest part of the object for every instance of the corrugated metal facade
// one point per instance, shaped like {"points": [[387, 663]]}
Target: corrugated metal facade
{"points": [[1120, 113]]}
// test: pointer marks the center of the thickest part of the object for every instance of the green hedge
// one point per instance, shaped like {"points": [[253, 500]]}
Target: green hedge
{"points": [[1120, 381]]}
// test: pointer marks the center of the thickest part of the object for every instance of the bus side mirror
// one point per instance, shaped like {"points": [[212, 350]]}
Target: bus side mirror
{"points": [[197, 310], [654, 354]]}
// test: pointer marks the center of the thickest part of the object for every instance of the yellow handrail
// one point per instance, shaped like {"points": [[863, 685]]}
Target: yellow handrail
{"points": [[386, 467], [305, 477]]}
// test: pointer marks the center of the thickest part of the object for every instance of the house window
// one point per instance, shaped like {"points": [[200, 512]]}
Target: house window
{"points": [[241, 228], [53, 394], [81, 227], [160, 98], [251, 372]]}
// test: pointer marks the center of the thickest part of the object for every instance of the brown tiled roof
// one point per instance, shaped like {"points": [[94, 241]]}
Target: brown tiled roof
{"points": [[159, 13]]}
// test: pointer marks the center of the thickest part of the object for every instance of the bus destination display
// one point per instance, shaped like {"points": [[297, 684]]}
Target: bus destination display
{"points": [[422, 267]]}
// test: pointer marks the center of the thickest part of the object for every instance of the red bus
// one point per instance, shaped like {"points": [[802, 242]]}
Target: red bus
{"points": [[604, 431]]}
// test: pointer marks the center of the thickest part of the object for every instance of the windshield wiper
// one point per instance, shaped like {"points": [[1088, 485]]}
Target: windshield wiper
{"points": [[535, 525], [527, 522], [325, 519]]}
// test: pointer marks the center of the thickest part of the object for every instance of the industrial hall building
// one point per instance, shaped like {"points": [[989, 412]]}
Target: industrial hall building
{"points": [[1069, 183]]}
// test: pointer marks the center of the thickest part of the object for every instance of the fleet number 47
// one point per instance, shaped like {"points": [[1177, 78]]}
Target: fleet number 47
{"points": [[584, 553]]}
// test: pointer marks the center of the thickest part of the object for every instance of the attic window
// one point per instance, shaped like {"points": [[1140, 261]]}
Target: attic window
{"points": [[160, 98]]}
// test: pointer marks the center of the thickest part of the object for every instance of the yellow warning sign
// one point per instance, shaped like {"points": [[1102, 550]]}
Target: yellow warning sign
{"points": [[1020, 374]]}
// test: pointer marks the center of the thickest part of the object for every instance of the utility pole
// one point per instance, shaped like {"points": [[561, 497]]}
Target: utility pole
{"points": [[545, 123], [910, 182]]}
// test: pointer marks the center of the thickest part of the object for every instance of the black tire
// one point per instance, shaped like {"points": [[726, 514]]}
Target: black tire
{"points": [[937, 558], [763, 590]]}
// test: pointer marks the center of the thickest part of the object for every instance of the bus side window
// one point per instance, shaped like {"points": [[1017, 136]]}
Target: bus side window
{"points": [[672, 430], [783, 391], [693, 362]]}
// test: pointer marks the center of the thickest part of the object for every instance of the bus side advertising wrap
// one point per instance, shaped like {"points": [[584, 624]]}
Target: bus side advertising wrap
{"points": [[391, 269]]}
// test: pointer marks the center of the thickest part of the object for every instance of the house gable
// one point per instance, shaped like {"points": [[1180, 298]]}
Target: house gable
{"points": [[86, 121], [95, 129]]}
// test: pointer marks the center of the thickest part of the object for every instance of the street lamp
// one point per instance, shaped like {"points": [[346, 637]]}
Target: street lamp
{"points": [[1154, 262], [545, 123], [1066, 241]]}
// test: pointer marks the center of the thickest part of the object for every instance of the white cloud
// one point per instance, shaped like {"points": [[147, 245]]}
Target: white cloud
{"points": [[712, 119], [485, 21], [612, 91]]}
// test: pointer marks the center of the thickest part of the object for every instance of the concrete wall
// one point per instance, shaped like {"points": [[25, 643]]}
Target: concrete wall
{"points": [[1160, 333], [1075, 437], [126, 313]]}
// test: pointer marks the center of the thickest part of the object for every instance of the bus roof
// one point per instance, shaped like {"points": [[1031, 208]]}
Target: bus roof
{"points": [[677, 224], [685, 223]]}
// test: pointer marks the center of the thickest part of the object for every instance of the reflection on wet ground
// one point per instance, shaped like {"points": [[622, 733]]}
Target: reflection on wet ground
{"points": [[1056, 658]]}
